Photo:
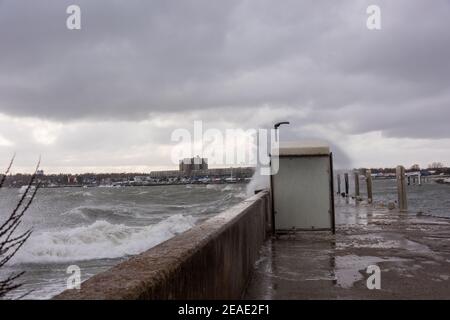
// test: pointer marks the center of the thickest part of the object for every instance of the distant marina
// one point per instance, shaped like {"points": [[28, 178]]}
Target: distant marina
{"points": [[191, 171]]}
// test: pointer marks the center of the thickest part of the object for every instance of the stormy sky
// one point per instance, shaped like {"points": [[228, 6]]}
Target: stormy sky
{"points": [[107, 97]]}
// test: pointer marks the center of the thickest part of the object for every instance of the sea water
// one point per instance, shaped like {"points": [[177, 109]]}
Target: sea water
{"points": [[96, 228]]}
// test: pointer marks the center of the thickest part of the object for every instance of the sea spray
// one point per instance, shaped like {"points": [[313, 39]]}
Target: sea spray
{"points": [[258, 182]]}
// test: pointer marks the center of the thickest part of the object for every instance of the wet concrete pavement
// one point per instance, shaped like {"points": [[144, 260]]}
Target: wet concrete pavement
{"points": [[412, 252]]}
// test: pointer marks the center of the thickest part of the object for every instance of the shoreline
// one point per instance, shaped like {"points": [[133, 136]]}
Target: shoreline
{"points": [[136, 185]]}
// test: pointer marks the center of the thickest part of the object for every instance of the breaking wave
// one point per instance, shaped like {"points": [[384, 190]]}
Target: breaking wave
{"points": [[99, 240], [106, 212]]}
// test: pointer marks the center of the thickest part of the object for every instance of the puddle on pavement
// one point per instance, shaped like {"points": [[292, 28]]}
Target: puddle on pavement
{"points": [[347, 268]]}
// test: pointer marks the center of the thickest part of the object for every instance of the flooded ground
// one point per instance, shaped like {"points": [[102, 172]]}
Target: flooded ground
{"points": [[428, 198], [412, 252]]}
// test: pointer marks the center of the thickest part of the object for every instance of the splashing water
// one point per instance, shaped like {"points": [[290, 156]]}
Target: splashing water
{"points": [[100, 227], [258, 182]]}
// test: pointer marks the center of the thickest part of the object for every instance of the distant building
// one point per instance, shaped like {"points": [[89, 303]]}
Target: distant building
{"points": [[240, 172], [188, 165]]}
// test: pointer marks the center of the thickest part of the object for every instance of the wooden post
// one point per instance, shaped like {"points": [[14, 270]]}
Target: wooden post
{"points": [[401, 189], [346, 183], [420, 178], [356, 174], [369, 186], [338, 184]]}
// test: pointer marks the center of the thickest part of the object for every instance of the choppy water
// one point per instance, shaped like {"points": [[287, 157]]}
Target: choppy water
{"points": [[95, 228], [429, 198]]}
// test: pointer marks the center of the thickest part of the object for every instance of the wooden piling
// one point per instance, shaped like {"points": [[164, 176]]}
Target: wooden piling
{"points": [[369, 186], [401, 189], [338, 184], [346, 183], [356, 175]]}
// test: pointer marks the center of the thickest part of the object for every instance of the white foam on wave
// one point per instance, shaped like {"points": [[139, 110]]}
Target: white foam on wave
{"points": [[99, 240], [228, 187], [106, 210]]}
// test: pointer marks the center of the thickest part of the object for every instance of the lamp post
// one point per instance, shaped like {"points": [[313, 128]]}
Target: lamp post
{"points": [[276, 126]]}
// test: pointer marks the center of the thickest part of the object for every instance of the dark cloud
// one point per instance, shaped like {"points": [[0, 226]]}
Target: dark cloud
{"points": [[229, 61]]}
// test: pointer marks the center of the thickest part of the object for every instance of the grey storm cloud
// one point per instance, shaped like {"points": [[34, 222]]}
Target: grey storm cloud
{"points": [[136, 57], [134, 60]]}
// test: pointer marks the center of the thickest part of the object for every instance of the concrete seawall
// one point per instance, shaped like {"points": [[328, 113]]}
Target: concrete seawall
{"points": [[213, 260]]}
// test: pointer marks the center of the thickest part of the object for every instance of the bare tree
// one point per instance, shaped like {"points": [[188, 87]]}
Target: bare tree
{"points": [[11, 240], [436, 165]]}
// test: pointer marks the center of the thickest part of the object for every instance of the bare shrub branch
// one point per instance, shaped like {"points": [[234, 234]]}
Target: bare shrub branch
{"points": [[10, 242]]}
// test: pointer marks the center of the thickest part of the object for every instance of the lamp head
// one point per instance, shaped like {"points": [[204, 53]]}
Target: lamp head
{"points": [[279, 124]]}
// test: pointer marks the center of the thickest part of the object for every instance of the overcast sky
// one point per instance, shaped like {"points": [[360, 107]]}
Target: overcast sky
{"points": [[107, 97]]}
